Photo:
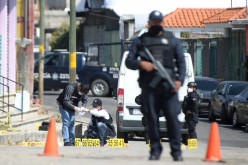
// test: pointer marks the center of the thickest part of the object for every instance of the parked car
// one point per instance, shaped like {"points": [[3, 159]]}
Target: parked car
{"points": [[240, 109], [128, 114], [205, 85], [101, 79], [222, 98]]}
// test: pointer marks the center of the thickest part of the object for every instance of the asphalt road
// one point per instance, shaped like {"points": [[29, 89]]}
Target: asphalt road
{"points": [[50, 102], [230, 137], [234, 147]]}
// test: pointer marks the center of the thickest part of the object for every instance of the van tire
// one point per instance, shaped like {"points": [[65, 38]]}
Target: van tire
{"points": [[185, 138], [123, 135], [99, 88]]}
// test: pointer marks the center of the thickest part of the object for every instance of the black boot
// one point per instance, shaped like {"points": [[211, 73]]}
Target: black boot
{"points": [[177, 158], [67, 144], [154, 156]]}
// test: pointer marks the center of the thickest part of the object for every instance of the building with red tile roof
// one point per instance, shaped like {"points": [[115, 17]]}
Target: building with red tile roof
{"points": [[189, 17], [202, 22], [227, 15]]}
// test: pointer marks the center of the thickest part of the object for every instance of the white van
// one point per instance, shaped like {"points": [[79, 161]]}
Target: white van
{"points": [[189, 77], [128, 114]]}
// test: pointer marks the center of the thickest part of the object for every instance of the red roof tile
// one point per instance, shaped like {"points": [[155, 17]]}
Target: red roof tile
{"points": [[189, 17], [227, 15]]}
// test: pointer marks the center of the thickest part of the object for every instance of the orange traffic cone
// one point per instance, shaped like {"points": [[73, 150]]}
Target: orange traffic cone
{"points": [[214, 151], [51, 147]]}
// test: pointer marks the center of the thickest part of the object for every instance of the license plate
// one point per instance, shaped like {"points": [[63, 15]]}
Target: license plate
{"points": [[136, 112], [115, 75]]}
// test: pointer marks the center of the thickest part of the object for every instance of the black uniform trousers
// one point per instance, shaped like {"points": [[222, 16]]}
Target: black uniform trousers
{"points": [[153, 100], [191, 120]]}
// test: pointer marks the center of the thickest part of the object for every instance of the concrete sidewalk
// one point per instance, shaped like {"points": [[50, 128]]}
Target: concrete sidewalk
{"points": [[27, 130], [136, 152]]}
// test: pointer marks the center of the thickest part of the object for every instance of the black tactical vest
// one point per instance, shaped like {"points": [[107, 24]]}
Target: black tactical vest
{"points": [[161, 48], [95, 120]]}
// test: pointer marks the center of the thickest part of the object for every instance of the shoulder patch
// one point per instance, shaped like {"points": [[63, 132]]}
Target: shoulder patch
{"points": [[164, 41]]}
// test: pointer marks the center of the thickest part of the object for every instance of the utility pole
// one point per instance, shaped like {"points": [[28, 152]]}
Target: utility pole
{"points": [[31, 47], [42, 50], [72, 41]]}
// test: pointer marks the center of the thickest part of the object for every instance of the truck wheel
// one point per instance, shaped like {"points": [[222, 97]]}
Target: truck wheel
{"points": [[123, 135], [99, 88], [185, 138]]}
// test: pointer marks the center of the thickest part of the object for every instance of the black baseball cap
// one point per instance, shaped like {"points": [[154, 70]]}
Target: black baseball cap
{"points": [[97, 102], [155, 15], [192, 84]]}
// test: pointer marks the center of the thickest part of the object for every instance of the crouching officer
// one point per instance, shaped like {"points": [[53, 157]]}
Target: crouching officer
{"points": [[101, 122], [190, 104]]}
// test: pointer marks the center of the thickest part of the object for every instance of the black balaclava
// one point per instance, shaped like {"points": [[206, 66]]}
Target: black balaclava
{"points": [[155, 29]]}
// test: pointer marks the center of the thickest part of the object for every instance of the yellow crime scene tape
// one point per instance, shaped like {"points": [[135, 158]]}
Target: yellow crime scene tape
{"points": [[37, 126], [24, 144], [40, 144], [192, 143], [32, 143], [113, 142], [2, 132]]}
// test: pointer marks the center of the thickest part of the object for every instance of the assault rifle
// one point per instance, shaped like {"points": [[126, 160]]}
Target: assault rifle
{"points": [[162, 72]]}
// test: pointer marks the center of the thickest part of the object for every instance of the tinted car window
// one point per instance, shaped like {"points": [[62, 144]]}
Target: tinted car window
{"points": [[206, 85], [245, 93], [221, 88], [36, 56], [65, 60], [52, 60], [235, 89]]}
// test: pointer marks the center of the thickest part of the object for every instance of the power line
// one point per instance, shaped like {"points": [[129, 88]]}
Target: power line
{"points": [[104, 16]]}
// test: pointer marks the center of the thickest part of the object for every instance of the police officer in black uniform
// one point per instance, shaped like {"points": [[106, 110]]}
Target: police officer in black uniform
{"points": [[68, 103], [156, 93], [190, 105]]}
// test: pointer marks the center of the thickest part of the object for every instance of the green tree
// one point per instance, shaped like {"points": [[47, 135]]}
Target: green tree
{"points": [[60, 38]]}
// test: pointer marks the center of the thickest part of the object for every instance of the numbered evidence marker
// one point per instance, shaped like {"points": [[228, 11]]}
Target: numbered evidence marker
{"points": [[116, 142], [78, 142], [87, 142], [93, 142], [192, 143]]}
